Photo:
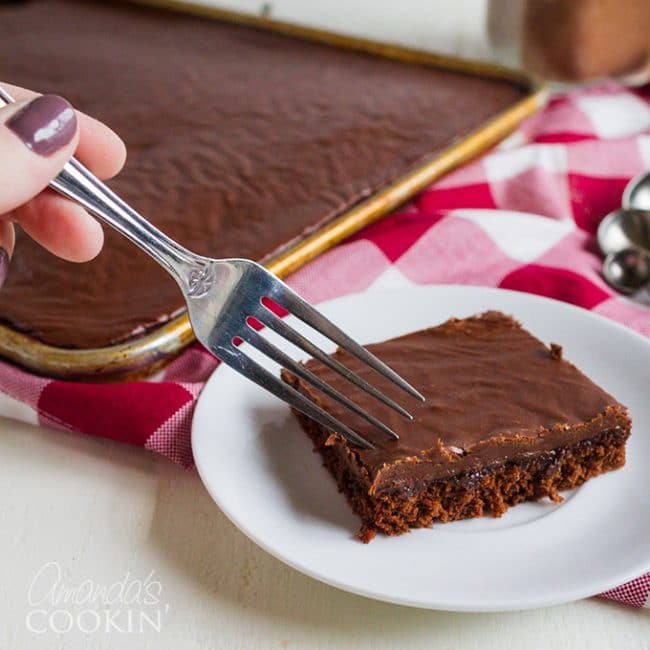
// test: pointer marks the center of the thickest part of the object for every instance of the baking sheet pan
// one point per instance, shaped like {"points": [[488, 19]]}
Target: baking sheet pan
{"points": [[148, 352]]}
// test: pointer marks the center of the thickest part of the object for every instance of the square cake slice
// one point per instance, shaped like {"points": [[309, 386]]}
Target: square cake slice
{"points": [[506, 419]]}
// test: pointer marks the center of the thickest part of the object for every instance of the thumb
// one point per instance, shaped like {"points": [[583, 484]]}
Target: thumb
{"points": [[37, 138]]}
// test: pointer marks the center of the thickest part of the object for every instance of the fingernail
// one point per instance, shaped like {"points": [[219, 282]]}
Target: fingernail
{"points": [[4, 265], [45, 125]]}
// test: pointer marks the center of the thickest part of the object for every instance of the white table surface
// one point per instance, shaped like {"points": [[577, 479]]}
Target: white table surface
{"points": [[99, 510]]}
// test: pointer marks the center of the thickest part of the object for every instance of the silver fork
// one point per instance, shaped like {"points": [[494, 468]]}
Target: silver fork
{"points": [[223, 295]]}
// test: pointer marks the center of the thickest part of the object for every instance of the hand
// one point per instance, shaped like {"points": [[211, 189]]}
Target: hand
{"points": [[38, 135]]}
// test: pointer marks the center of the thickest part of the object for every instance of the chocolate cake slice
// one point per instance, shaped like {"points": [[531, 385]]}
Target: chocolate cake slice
{"points": [[506, 420]]}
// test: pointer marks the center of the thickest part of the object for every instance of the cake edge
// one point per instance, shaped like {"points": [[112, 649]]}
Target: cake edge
{"points": [[468, 495]]}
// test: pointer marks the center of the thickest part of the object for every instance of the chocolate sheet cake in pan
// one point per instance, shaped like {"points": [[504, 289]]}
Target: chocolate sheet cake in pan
{"points": [[242, 142]]}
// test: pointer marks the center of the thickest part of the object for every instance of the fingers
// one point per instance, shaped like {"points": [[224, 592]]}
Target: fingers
{"points": [[37, 138], [100, 149], [7, 237], [63, 227], [59, 225], [7, 240]]}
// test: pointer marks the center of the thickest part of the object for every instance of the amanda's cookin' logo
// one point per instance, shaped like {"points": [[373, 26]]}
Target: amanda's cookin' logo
{"points": [[127, 606]]}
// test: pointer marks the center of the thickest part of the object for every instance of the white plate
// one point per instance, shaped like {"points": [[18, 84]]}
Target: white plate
{"points": [[260, 469]]}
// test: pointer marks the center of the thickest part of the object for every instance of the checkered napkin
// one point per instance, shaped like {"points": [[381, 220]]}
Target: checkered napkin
{"points": [[556, 177]]}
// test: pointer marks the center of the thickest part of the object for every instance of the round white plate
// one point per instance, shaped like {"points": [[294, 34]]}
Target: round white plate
{"points": [[260, 469]]}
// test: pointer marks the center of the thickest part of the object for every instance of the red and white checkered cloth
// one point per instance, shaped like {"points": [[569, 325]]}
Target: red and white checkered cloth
{"points": [[558, 175]]}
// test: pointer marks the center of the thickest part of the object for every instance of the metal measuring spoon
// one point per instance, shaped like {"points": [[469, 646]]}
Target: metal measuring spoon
{"points": [[624, 238], [627, 271], [623, 229], [636, 195]]}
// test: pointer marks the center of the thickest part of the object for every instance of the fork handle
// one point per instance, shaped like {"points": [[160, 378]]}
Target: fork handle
{"points": [[77, 183]]}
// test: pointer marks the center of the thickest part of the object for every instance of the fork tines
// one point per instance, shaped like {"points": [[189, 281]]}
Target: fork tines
{"points": [[289, 300]]}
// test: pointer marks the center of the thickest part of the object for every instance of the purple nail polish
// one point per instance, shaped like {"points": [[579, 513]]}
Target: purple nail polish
{"points": [[4, 265], [45, 125]]}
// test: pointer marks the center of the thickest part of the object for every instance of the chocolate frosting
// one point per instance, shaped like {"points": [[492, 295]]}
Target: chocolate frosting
{"points": [[493, 392], [240, 142]]}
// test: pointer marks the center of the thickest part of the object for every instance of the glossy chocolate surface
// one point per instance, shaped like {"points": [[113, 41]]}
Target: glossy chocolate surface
{"points": [[240, 142], [493, 392]]}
